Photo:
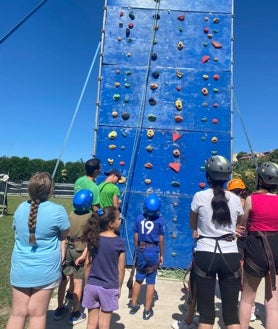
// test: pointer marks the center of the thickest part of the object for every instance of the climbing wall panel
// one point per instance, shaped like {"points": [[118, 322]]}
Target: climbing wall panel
{"points": [[164, 106]]}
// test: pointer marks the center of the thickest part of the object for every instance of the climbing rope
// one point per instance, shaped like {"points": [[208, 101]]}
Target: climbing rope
{"points": [[75, 112], [126, 192]]}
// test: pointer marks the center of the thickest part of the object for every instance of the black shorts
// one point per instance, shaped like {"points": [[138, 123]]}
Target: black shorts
{"points": [[254, 250]]}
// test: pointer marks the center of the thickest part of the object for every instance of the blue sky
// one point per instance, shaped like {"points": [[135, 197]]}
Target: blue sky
{"points": [[45, 63]]}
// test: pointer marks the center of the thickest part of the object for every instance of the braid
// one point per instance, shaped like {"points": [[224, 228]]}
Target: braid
{"points": [[32, 221]]}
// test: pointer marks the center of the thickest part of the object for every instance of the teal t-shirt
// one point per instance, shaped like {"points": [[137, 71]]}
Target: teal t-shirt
{"points": [[39, 264], [85, 183]]}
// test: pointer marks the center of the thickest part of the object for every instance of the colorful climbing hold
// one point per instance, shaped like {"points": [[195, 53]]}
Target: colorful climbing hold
{"points": [[216, 77], [148, 181], [178, 118], [150, 133], [176, 153], [181, 18], [112, 146], [214, 121], [176, 136], [116, 97], [152, 118], [178, 104], [112, 135], [110, 161], [205, 91], [114, 114], [153, 86], [148, 165], [216, 44], [155, 75], [205, 59], [125, 116], [152, 101], [175, 166], [180, 45], [175, 184], [179, 74], [202, 185], [149, 148], [214, 139]]}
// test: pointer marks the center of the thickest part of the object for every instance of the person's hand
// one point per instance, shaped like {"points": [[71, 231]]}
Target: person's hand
{"points": [[241, 231], [79, 261], [195, 234], [160, 260]]}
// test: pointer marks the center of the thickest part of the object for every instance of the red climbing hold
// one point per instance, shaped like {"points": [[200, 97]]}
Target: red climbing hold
{"points": [[216, 44], [202, 185], [176, 136], [181, 18], [175, 166], [205, 59]]}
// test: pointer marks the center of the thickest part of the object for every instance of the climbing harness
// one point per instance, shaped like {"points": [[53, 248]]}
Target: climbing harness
{"points": [[271, 275], [203, 274]]}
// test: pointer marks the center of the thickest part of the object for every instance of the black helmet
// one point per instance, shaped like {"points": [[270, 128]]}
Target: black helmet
{"points": [[268, 171], [218, 168]]}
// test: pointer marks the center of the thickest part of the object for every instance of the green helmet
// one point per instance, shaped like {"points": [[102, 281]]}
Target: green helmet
{"points": [[218, 168], [268, 171]]}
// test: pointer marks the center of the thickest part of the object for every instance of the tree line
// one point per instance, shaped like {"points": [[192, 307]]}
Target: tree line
{"points": [[21, 169]]}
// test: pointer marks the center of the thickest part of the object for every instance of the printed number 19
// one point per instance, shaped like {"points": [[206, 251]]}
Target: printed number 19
{"points": [[146, 225]]}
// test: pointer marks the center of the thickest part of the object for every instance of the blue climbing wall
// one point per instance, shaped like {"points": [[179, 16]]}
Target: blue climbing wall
{"points": [[164, 106]]}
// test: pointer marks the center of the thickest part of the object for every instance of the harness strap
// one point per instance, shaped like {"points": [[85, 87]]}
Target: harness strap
{"points": [[269, 257], [146, 244], [73, 240], [226, 237]]}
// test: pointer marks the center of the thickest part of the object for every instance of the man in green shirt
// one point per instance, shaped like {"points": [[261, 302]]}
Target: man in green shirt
{"points": [[109, 191], [87, 182]]}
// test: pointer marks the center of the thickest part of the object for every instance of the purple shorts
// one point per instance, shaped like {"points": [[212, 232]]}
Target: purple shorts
{"points": [[99, 297]]}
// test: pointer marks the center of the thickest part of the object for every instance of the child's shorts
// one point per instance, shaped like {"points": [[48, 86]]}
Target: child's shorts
{"points": [[150, 277], [98, 297]]}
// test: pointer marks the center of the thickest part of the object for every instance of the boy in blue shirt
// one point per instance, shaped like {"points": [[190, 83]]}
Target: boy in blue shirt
{"points": [[149, 250]]}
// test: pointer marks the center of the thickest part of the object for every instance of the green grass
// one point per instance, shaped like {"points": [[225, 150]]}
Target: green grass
{"points": [[6, 246]]}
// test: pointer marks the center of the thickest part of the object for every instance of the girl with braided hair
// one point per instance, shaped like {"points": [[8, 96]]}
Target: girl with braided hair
{"points": [[41, 227]]}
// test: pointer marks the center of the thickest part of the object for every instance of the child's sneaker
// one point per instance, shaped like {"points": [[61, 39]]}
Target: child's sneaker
{"points": [[134, 309], [147, 314], [182, 325], [60, 312], [75, 319]]}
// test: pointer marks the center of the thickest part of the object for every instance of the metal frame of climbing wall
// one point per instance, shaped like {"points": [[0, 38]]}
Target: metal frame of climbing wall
{"points": [[164, 106]]}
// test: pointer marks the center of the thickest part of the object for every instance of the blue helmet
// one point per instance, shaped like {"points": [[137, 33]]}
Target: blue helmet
{"points": [[152, 205], [83, 200]]}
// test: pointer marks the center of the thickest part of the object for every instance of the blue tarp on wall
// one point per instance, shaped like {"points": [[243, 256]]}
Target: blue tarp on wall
{"points": [[164, 106]]}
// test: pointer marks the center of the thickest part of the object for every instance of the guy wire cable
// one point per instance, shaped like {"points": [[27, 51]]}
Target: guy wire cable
{"points": [[245, 132], [24, 19], [76, 111]]}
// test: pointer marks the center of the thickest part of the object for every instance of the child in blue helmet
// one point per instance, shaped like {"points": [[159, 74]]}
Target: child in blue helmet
{"points": [[149, 250], [76, 251]]}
